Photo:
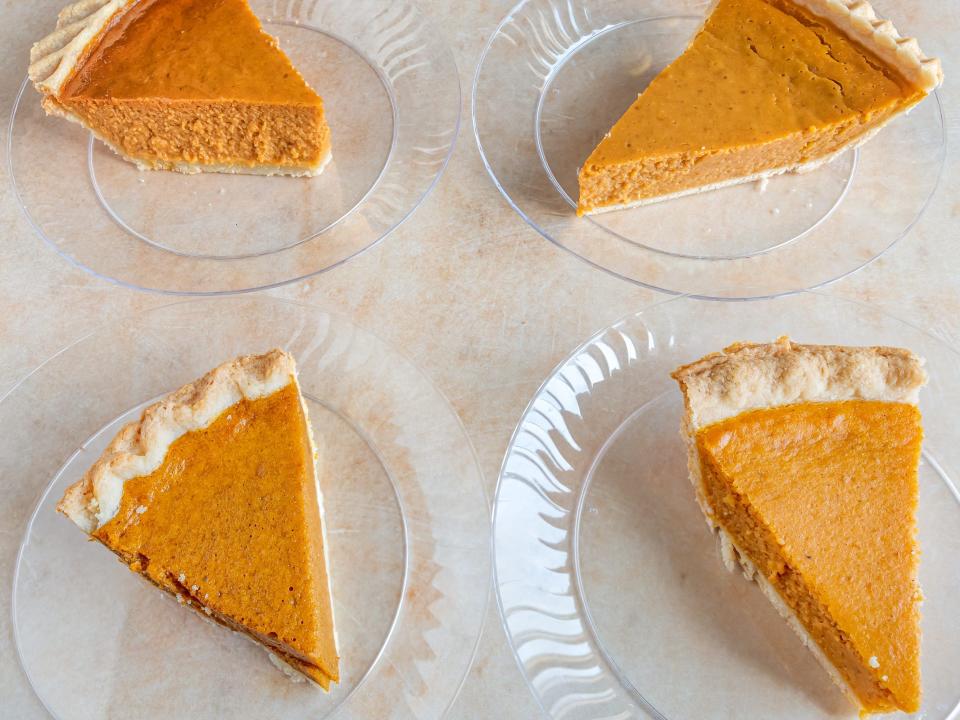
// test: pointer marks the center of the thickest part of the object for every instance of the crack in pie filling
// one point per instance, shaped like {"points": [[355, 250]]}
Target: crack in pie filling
{"points": [[765, 87], [804, 459], [213, 497]]}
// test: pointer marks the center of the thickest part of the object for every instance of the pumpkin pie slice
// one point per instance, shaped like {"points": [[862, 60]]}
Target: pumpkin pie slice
{"points": [[186, 85], [765, 87], [213, 497], [804, 459]]}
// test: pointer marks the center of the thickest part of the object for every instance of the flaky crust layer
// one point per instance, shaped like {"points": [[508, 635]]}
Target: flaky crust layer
{"points": [[746, 376], [140, 447]]}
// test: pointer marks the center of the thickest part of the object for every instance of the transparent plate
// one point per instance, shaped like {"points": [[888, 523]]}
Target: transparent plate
{"points": [[392, 96], [557, 74], [610, 585], [406, 514]]}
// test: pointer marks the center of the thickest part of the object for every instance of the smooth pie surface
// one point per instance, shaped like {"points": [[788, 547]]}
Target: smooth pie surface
{"points": [[230, 523], [764, 85], [189, 50], [197, 82], [822, 498]]}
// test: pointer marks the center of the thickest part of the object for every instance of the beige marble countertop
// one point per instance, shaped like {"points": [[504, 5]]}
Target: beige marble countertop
{"points": [[465, 288]]}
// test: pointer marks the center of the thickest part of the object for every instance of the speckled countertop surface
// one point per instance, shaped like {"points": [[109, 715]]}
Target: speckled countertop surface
{"points": [[464, 288]]}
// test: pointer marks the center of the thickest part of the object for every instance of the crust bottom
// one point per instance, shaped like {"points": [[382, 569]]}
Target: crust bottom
{"points": [[228, 169]]}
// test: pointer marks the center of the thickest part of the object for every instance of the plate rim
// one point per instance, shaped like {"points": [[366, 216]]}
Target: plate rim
{"points": [[456, 86], [727, 293]]}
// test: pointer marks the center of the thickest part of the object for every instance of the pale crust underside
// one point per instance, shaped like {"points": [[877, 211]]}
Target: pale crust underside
{"points": [[857, 19], [54, 58], [748, 376]]}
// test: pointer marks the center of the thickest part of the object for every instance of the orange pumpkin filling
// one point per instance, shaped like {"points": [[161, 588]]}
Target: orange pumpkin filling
{"points": [[177, 83], [765, 85], [229, 523], [822, 499]]}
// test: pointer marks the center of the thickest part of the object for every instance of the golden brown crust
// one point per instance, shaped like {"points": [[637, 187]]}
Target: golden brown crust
{"points": [[139, 448], [746, 376], [858, 20]]}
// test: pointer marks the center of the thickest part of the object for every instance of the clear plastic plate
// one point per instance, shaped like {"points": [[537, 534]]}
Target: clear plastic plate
{"points": [[610, 585], [392, 97], [557, 74], [407, 525]]}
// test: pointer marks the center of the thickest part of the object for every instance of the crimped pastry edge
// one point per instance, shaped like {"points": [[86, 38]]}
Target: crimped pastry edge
{"points": [[858, 19], [747, 376], [54, 57], [140, 447]]}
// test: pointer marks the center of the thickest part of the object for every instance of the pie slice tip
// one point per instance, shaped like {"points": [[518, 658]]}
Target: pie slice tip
{"points": [[213, 496], [804, 462]]}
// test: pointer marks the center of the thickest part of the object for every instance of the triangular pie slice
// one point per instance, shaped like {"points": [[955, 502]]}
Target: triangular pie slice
{"points": [[765, 87], [213, 496], [187, 85], [804, 459]]}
